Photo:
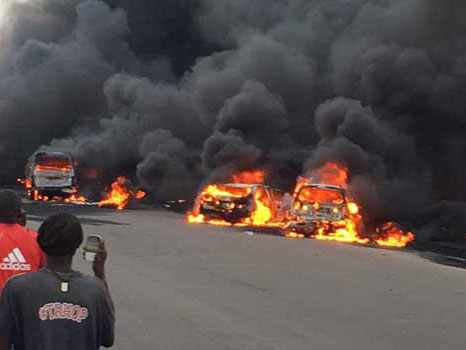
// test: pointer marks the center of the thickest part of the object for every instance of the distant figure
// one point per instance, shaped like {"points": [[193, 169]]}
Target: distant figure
{"points": [[19, 251], [57, 308]]}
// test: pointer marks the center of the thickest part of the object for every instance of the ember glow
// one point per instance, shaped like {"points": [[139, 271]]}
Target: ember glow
{"points": [[119, 194], [243, 202]]}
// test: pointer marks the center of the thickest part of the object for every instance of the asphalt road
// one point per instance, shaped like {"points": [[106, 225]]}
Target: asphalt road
{"points": [[178, 286]]}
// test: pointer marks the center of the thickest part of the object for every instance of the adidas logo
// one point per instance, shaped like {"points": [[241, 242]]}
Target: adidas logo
{"points": [[15, 261]]}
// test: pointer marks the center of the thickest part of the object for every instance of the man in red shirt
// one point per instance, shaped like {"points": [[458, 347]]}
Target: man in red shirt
{"points": [[19, 251]]}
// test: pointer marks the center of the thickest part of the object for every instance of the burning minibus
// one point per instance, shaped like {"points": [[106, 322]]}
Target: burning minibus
{"points": [[51, 175]]}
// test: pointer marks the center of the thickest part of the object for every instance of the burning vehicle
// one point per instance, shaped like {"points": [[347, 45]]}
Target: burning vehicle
{"points": [[228, 202], [51, 175], [239, 203], [322, 209], [318, 208]]}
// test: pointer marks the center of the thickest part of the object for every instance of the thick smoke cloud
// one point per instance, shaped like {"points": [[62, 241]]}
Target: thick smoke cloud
{"points": [[386, 176], [174, 92]]}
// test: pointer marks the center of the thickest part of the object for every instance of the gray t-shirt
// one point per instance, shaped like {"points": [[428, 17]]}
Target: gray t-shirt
{"points": [[37, 315]]}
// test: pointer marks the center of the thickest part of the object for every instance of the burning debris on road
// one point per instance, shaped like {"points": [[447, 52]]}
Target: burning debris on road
{"points": [[391, 235], [119, 194]]}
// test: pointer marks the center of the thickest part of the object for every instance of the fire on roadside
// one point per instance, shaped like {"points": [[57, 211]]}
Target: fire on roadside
{"points": [[36, 196], [261, 213], [347, 230], [391, 235], [73, 198], [119, 194]]}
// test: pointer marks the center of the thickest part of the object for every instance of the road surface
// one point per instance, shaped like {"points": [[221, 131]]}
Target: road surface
{"points": [[178, 286]]}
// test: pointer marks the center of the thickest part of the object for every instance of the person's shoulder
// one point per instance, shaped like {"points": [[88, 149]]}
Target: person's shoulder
{"points": [[90, 282], [17, 229], [28, 232], [21, 279], [31, 233]]}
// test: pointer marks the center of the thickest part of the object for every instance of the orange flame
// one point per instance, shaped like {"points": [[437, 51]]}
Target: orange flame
{"points": [[261, 214], [249, 177], [393, 236], [45, 167], [331, 174], [119, 195], [347, 230], [75, 198], [346, 234], [25, 182]]}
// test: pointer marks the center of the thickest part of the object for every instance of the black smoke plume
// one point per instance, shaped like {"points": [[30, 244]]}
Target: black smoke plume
{"points": [[174, 92]]}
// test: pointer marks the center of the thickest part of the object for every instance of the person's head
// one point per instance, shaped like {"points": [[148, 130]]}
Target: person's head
{"points": [[10, 206], [60, 235]]}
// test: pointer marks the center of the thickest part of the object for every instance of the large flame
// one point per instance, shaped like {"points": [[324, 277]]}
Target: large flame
{"points": [[119, 194], [261, 214], [330, 174], [345, 231]]}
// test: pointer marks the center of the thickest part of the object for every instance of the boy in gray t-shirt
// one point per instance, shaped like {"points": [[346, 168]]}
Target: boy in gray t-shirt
{"points": [[57, 308]]}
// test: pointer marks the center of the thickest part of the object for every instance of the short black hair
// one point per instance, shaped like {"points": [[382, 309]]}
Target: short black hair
{"points": [[10, 205], [60, 235]]}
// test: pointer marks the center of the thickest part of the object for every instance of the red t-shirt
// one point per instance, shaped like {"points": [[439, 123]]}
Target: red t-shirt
{"points": [[19, 251]]}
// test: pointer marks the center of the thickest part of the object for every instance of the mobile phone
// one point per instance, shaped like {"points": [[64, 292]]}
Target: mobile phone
{"points": [[92, 247]]}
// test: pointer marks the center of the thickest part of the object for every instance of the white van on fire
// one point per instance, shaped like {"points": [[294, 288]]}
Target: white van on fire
{"points": [[51, 174]]}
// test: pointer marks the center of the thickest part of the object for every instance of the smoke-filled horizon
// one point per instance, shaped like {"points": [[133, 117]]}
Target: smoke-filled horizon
{"points": [[174, 92]]}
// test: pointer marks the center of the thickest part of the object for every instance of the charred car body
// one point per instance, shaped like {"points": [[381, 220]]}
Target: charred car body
{"points": [[51, 174], [236, 202], [317, 208]]}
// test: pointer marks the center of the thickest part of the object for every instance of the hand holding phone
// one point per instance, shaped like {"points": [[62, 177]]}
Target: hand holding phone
{"points": [[92, 247], [95, 251]]}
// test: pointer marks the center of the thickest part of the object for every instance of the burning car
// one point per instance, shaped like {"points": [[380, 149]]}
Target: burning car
{"points": [[51, 175], [239, 204], [318, 209]]}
